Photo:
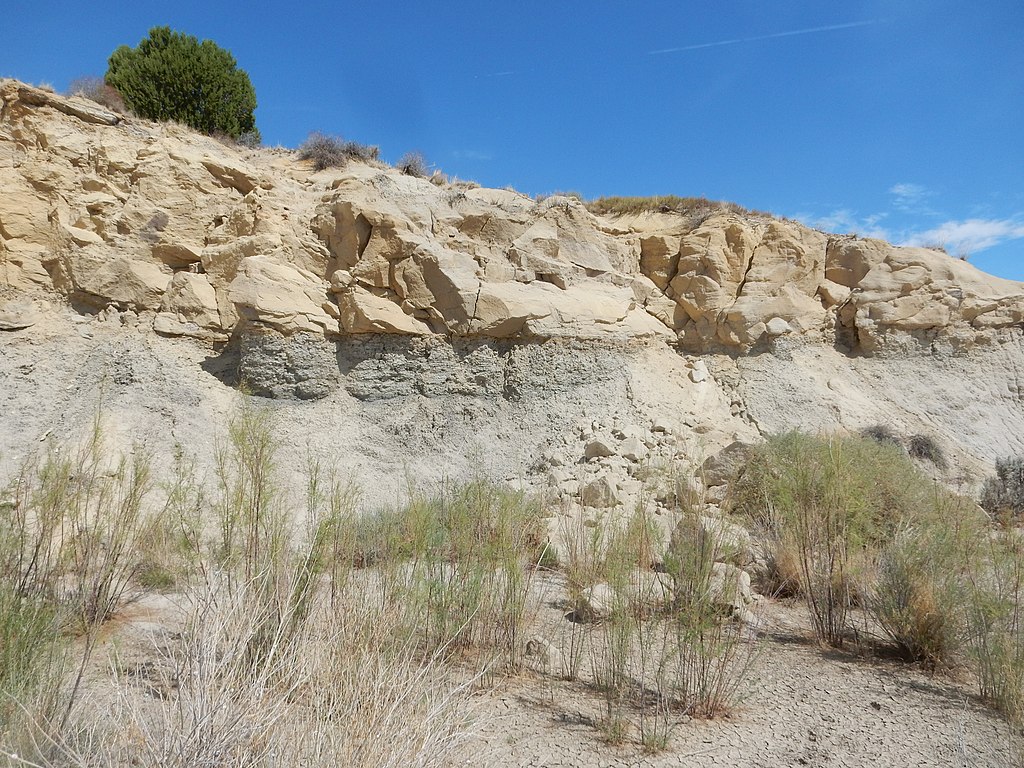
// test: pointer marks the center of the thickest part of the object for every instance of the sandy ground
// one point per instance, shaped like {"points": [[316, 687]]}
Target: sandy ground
{"points": [[803, 705]]}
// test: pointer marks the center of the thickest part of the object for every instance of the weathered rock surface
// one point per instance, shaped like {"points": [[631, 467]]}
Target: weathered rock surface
{"points": [[109, 211], [427, 317]]}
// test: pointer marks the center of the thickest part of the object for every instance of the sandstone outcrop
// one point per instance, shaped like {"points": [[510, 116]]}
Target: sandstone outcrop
{"points": [[213, 242], [413, 331]]}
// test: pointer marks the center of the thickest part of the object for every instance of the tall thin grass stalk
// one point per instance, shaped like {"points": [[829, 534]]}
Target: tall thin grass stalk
{"points": [[69, 554], [996, 622]]}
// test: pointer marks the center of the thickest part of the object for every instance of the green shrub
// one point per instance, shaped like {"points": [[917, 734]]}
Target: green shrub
{"points": [[995, 623], [661, 644], [69, 556], [33, 657], [1003, 494], [825, 501], [173, 76], [918, 594], [463, 558]]}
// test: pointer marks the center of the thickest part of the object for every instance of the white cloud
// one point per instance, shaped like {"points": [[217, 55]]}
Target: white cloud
{"points": [[908, 192], [845, 220], [969, 236], [911, 198]]}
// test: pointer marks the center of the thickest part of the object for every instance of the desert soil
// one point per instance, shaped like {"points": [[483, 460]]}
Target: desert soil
{"points": [[803, 705]]}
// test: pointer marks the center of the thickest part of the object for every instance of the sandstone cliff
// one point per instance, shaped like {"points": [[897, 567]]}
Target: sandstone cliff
{"points": [[377, 286]]}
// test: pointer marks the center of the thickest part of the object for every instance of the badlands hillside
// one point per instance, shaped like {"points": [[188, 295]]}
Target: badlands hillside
{"points": [[408, 330], [412, 327]]}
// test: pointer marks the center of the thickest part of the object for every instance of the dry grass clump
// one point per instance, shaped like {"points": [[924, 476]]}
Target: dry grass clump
{"points": [[996, 624], [868, 530], [926, 448], [463, 560], [326, 151], [923, 447], [659, 645], [882, 433], [696, 208], [95, 89], [413, 164], [70, 538], [919, 591], [251, 681], [288, 654]]}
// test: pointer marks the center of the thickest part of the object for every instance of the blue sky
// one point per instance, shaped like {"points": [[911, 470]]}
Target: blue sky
{"points": [[903, 120]]}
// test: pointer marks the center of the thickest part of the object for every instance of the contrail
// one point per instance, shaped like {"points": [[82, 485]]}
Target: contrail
{"points": [[791, 33]]}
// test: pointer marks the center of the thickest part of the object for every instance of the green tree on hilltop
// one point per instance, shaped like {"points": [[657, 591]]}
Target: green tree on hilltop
{"points": [[173, 76]]}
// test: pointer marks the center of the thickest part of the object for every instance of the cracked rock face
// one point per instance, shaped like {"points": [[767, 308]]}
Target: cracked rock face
{"points": [[213, 242], [363, 285]]}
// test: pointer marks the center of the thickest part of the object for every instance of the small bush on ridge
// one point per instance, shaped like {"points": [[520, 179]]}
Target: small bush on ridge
{"points": [[695, 209], [413, 164], [327, 151], [94, 89], [173, 76]]}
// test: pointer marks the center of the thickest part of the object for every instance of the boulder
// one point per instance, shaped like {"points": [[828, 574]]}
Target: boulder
{"points": [[99, 279], [17, 315], [724, 466], [699, 372], [731, 543], [602, 493], [546, 656], [280, 296], [632, 449], [599, 446], [364, 312], [650, 590], [729, 587], [191, 299]]}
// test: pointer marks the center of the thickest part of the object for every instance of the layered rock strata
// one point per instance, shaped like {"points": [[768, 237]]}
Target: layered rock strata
{"points": [[196, 239]]}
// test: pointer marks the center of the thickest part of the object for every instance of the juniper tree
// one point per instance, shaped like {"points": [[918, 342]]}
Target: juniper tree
{"points": [[174, 76]]}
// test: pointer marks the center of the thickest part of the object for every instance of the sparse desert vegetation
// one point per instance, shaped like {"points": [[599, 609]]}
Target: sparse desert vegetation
{"points": [[326, 151], [95, 89], [413, 164], [880, 552], [338, 635], [1003, 493], [696, 208]]}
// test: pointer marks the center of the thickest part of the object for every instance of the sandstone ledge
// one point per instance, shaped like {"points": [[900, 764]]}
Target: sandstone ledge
{"points": [[208, 241]]}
